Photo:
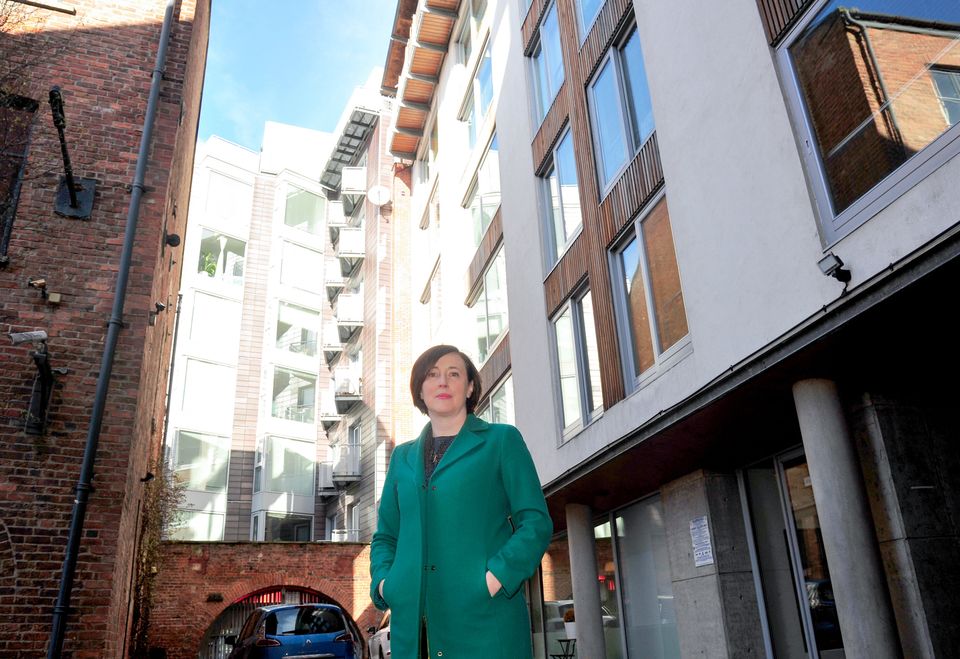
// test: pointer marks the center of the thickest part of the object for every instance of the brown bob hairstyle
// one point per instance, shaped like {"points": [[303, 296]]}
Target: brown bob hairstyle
{"points": [[428, 360]]}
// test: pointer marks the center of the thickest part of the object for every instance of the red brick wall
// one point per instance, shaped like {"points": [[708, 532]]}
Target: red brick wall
{"points": [[190, 572], [102, 59]]}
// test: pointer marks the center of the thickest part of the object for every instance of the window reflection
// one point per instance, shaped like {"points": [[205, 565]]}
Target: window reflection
{"points": [[879, 85]]}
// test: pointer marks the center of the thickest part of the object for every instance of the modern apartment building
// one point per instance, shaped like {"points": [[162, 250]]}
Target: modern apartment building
{"points": [[722, 232], [280, 422]]}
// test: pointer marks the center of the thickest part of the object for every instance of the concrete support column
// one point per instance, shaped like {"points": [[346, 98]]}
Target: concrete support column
{"points": [[856, 571], [586, 588], [716, 604]]}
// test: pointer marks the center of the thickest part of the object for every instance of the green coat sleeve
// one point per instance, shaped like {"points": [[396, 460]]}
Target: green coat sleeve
{"points": [[519, 557], [383, 547]]}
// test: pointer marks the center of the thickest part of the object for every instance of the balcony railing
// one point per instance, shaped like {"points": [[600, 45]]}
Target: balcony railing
{"points": [[350, 249], [336, 219], [346, 462], [333, 277], [349, 315], [325, 476], [348, 389], [345, 535], [301, 413], [353, 181]]}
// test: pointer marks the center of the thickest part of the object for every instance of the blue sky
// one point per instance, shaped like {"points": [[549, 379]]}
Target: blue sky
{"points": [[293, 61]]}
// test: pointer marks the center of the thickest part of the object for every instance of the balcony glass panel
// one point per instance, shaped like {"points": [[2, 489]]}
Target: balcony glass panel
{"points": [[222, 258], [201, 461], [297, 329], [294, 395], [289, 465], [304, 210], [301, 268]]}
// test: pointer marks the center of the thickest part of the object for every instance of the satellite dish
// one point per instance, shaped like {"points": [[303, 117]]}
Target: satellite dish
{"points": [[378, 195]]}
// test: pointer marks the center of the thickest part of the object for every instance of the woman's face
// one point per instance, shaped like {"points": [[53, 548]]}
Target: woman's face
{"points": [[446, 388]]}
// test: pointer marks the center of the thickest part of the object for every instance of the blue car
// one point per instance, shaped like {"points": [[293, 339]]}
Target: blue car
{"points": [[304, 631]]}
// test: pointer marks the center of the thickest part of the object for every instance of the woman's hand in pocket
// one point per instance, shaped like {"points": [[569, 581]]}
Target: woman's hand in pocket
{"points": [[493, 584]]}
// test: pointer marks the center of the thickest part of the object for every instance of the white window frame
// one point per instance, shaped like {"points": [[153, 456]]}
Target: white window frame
{"points": [[835, 226], [470, 25], [615, 58], [584, 388], [552, 253], [488, 402], [662, 358]]}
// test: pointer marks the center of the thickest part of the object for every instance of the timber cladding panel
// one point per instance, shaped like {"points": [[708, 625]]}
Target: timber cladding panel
{"points": [[778, 16], [604, 216], [496, 366]]}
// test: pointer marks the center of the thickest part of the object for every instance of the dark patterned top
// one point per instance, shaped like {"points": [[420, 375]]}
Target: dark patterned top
{"points": [[436, 447]]}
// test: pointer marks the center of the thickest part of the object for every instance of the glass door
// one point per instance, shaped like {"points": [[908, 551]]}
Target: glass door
{"points": [[793, 578]]}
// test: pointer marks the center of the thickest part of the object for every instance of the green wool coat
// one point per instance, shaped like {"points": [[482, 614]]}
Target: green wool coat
{"points": [[482, 510]]}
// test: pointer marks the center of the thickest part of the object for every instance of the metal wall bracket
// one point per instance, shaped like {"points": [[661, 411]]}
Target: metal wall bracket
{"points": [[84, 191]]}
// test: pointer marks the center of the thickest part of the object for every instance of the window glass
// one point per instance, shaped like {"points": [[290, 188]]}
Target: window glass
{"points": [[636, 308], [289, 465], [564, 194], [304, 210], [208, 393], [16, 118], [548, 61], [567, 360], [611, 140], [201, 461], [215, 324], [501, 403], [868, 80], [197, 526], [664, 278], [294, 395], [649, 614], [557, 592], [607, 579], [587, 11], [302, 268], [297, 329], [485, 82], [221, 257], [229, 201], [594, 391], [491, 306], [288, 528], [485, 199], [947, 83], [638, 92]]}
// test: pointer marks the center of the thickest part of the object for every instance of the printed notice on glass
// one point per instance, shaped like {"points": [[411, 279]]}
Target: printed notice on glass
{"points": [[700, 535]]}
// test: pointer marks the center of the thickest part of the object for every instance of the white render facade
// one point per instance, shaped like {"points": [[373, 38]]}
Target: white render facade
{"points": [[771, 455]]}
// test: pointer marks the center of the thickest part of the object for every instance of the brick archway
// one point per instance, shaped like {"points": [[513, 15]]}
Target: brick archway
{"points": [[196, 582]]}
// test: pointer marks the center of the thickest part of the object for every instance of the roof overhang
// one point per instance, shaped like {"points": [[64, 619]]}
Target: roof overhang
{"points": [[357, 125], [420, 40]]}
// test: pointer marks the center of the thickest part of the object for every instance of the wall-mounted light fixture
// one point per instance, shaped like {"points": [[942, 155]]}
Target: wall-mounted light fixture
{"points": [[832, 266], [36, 422]]}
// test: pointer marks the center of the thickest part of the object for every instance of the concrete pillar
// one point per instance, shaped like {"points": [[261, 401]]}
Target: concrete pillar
{"points": [[856, 571], [586, 588], [717, 612]]}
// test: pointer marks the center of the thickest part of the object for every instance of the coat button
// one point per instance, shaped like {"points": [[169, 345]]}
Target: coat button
{"points": [[434, 487], [433, 568], [439, 653]]}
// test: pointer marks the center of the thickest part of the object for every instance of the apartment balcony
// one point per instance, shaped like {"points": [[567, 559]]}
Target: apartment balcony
{"points": [[353, 181], [299, 413], [332, 277], [336, 219], [345, 535], [346, 463], [350, 249], [347, 390], [325, 484], [329, 419], [332, 346], [349, 315]]}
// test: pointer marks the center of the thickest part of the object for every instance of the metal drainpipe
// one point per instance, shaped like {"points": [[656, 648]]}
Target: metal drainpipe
{"points": [[62, 607], [885, 100]]}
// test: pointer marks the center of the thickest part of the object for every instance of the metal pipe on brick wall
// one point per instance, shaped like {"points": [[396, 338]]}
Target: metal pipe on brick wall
{"points": [[62, 607]]}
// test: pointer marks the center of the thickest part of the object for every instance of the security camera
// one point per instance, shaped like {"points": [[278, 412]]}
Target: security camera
{"points": [[19, 338], [159, 306]]}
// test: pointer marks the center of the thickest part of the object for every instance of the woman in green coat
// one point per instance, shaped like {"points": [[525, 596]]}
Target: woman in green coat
{"points": [[462, 524]]}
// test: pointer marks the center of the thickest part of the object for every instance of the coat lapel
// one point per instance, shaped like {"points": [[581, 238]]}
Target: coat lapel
{"points": [[470, 438]]}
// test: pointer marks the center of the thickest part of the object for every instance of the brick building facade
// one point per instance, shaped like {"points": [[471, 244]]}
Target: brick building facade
{"points": [[102, 57]]}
